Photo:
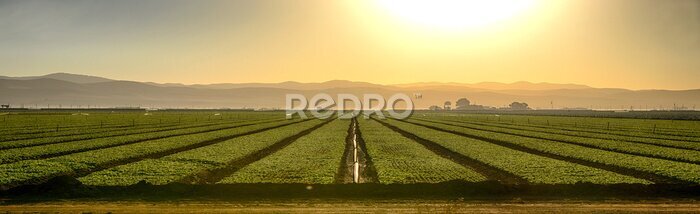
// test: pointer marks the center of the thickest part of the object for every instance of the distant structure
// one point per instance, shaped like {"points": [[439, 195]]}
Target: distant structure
{"points": [[465, 104], [462, 103], [519, 106], [5, 106], [447, 105]]}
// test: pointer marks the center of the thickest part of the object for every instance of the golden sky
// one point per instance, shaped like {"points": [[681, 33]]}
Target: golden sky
{"points": [[637, 44]]}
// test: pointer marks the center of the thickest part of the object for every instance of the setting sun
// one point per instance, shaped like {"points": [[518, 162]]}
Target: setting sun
{"points": [[456, 14]]}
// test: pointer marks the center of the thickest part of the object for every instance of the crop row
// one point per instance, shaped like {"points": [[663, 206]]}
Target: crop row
{"points": [[188, 163], [34, 170], [533, 168], [62, 131], [35, 152], [683, 171], [398, 159], [97, 135], [21, 121], [610, 145], [311, 159], [665, 128], [582, 128], [32, 124], [646, 140]]}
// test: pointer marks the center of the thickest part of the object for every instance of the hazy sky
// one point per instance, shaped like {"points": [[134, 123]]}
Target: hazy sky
{"points": [[638, 44]]}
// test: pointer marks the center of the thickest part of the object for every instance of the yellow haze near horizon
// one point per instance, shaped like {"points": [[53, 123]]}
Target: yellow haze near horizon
{"points": [[626, 43]]}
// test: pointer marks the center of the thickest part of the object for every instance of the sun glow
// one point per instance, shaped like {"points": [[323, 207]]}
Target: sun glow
{"points": [[457, 14]]}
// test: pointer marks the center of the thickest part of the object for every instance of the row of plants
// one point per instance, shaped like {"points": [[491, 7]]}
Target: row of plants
{"points": [[177, 166], [398, 159], [606, 136], [32, 170], [604, 144], [683, 171], [672, 129], [60, 131], [103, 134], [311, 159], [36, 152], [574, 124], [31, 124], [531, 167]]}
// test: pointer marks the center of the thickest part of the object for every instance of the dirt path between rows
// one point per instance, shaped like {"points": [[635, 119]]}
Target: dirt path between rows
{"points": [[356, 165]]}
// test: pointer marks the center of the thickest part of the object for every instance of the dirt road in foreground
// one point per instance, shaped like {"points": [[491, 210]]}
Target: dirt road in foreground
{"points": [[317, 206]]}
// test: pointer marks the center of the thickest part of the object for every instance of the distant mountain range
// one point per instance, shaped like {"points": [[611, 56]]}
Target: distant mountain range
{"points": [[495, 86], [74, 78], [72, 90]]}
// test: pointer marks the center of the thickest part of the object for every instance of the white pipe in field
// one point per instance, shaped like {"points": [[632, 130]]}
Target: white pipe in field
{"points": [[356, 177], [356, 165]]}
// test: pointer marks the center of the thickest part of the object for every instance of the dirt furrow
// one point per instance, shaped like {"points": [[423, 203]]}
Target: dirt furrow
{"points": [[356, 165]]}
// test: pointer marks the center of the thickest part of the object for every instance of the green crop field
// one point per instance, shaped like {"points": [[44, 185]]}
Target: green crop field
{"points": [[247, 149]]}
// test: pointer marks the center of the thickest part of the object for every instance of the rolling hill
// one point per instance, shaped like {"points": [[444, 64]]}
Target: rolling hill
{"points": [[72, 90]]}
